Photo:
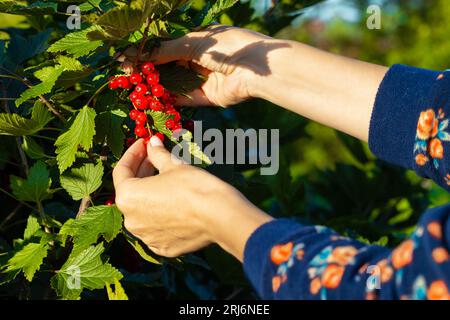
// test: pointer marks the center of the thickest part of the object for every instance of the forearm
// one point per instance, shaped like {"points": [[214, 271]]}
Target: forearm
{"points": [[336, 91]]}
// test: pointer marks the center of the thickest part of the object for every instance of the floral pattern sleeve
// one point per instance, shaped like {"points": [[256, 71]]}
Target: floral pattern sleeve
{"points": [[410, 128]]}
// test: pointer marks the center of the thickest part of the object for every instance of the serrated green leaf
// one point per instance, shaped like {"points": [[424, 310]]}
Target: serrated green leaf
{"points": [[28, 259], [159, 122], [84, 270], [120, 21], [105, 221], [211, 12], [140, 249], [37, 185], [83, 181], [80, 133], [32, 149], [76, 44], [41, 114], [194, 149], [109, 126], [118, 293], [15, 125], [36, 8], [48, 78], [179, 79], [32, 227], [69, 64]]}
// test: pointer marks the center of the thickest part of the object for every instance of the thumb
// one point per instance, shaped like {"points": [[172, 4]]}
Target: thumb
{"points": [[159, 156]]}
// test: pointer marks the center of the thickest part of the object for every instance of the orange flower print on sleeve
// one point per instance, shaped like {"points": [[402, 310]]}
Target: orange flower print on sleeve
{"points": [[403, 254], [276, 283], [281, 253], [315, 286], [434, 228], [342, 255], [332, 276], [425, 124], [438, 291], [430, 134], [386, 270], [440, 255], [421, 159], [435, 149]]}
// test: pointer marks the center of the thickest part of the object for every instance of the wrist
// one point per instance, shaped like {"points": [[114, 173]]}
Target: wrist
{"points": [[233, 220]]}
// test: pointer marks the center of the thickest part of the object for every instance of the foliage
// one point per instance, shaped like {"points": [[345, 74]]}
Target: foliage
{"points": [[63, 134]]}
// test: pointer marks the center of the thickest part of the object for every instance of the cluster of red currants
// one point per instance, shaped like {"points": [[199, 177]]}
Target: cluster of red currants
{"points": [[148, 94]]}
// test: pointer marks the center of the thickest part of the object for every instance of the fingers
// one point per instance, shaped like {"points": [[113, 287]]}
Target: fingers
{"points": [[128, 165], [159, 156], [146, 169], [196, 98], [184, 48]]}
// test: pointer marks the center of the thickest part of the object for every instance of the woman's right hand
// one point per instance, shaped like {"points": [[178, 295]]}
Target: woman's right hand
{"points": [[231, 59]]}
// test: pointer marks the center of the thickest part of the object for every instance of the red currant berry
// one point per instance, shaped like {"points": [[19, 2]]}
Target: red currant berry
{"points": [[142, 117], [139, 123], [113, 84], [140, 103], [147, 68], [153, 78], [160, 136], [140, 131], [109, 202], [134, 114], [175, 113], [123, 82], [158, 90], [141, 89], [170, 124], [135, 78], [134, 95], [146, 140], [155, 105], [177, 126]]}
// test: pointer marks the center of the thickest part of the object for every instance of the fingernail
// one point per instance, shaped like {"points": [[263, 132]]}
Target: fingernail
{"points": [[155, 142]]}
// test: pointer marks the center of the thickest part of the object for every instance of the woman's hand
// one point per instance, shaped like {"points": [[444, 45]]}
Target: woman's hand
{"points": [[231, 58], [183, 208]]}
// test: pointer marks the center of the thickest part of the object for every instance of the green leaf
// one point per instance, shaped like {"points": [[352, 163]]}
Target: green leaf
{"points": [[41, 114], [120, 21], [76, 44], [194, 149], [96, 221], [80, 133], [48, 78], [36, 8], [69, 64], [179, 79], [84, 270], [109, 126], [28, 259], [15, 125], [159, 122], [81, 182], [32, 227], [37, 185], [118, 293], [32, 149], [211, 12], [135, 243]]}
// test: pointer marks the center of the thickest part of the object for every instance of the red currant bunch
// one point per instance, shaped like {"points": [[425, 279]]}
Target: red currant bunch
{"points": [[147, 93]]}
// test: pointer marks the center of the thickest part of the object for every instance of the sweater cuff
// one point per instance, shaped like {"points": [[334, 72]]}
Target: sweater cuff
{"points": [[402, 95], [257, 251]]}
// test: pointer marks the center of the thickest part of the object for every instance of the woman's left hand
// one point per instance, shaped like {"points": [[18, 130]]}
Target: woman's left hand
{"points": [[182, 208]]}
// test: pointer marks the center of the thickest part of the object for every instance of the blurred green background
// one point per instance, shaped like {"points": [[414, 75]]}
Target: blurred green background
{"points": [[325, 177]]}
